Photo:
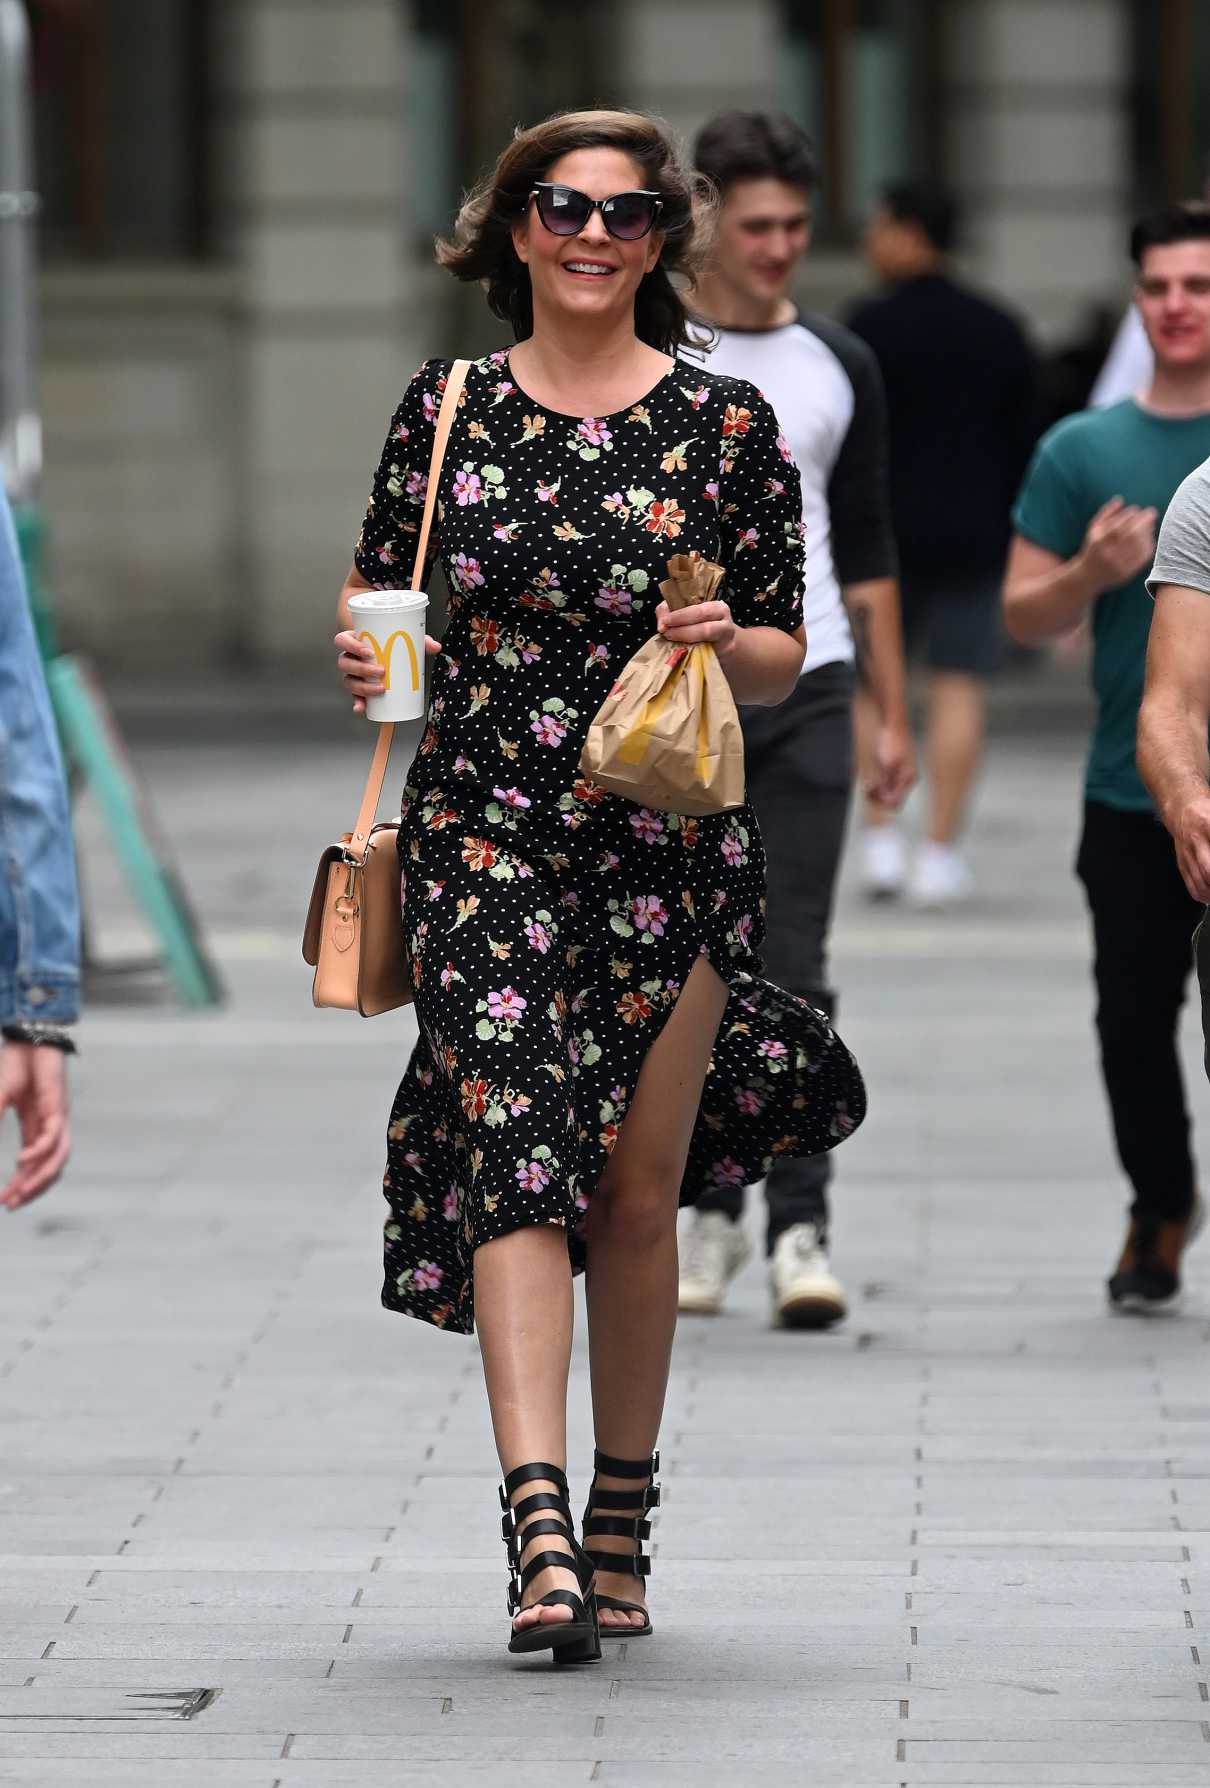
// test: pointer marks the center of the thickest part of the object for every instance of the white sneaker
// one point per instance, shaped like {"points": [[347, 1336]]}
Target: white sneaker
{"points": [[883, 862], [713, 1249], [806, 1292], [940, 877]]}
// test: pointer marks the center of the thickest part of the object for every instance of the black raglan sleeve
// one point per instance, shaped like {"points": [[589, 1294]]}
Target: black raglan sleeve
{"points": [[859, 498]]}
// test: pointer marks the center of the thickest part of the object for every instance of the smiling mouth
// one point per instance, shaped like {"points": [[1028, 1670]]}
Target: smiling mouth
{"points": [[588, 269]]}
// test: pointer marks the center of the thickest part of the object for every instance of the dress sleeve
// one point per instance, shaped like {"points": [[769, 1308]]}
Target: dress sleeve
{"points": [[760, 515], [386, 546]]}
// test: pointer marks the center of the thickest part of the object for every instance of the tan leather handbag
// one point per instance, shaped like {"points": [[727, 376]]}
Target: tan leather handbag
{"points": [[354, 932]]}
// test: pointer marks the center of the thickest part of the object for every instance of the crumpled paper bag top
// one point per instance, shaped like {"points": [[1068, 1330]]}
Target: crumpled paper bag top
{"points": [[691, 579]]}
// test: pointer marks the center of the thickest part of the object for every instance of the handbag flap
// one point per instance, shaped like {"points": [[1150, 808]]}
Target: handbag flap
{"points": [[313, 929]]}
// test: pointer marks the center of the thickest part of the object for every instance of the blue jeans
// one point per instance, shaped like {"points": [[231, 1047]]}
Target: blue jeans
{"points": [[800, 778]]}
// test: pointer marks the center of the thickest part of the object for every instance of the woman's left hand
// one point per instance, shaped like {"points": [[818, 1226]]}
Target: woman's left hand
{"points": [[702, 621]]}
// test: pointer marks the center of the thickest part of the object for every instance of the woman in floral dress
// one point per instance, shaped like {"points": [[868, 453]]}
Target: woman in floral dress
{"points": [[594, 1039]]}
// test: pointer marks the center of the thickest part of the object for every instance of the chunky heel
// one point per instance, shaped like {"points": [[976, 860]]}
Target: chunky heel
{"points": [[548, 1512], [626, 1519], [587, 1650]]}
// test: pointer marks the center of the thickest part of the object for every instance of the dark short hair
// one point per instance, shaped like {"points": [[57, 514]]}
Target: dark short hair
{"points": [[740, 145], [1186, 222], [927, 204]]}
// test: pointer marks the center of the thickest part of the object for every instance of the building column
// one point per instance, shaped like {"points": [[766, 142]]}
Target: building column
{"points": [[312, 207], [1039, 129]]}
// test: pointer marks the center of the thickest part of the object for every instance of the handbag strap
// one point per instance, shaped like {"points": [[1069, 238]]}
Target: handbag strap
{"points": [[455, 380]]}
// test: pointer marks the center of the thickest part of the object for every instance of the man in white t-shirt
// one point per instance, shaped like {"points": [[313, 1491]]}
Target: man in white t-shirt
{"points": [[826, 389]]}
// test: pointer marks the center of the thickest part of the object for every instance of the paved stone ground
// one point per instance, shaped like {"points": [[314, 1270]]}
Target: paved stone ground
{"points": [[963, 1540]]}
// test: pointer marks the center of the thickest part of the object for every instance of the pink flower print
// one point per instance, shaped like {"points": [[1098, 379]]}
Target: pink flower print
{"points": [[569, 897], [518, 1103], [594, 431], [697, 398], [548, 493], [749, 1102], [772, 1049], [647, 825], [401, 432], [502, 390], [431, 407], [467, 574], [711, 491], [462, 764], [597, 655], [727, 1173], [386, 554], [539, 936], [468, 488], [531, 651], [743, 930], [550, 730], [731, 848], [511, 797], [747, 539], [613, 600], [775, 487], [449, 975], [532, 1175], [427, 1276], [506, 1006], [417, 485], [449, 1209], [783, 447], [649, 913], [435, 890]]}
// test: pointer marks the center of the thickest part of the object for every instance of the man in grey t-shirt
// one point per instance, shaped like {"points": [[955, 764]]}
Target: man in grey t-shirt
{"points": [[1174, 721]]}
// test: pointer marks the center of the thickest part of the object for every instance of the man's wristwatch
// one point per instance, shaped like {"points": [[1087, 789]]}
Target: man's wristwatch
{"points": [[49, 1035]]}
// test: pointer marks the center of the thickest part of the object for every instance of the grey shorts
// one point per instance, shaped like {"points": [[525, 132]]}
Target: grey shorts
{"points": [[954, 624]]}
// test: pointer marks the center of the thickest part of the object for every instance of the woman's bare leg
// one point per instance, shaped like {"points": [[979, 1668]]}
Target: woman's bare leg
{"points": [[632, 1260], [523, 1317]]}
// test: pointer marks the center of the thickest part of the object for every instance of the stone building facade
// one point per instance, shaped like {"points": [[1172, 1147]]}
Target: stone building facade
{"points": [[215, 395]]}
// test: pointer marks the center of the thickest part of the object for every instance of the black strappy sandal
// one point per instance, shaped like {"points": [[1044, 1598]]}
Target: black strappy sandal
{"points": [[632, 1525], [574, 1641]]}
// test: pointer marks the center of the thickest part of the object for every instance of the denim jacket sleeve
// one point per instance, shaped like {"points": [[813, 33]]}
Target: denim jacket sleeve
{"points": [[39, 903]]}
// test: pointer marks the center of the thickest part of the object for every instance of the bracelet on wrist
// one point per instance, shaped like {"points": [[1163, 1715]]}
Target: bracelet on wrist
{"points": [[49, 1036]]}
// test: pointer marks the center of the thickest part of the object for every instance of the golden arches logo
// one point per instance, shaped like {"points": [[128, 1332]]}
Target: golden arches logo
{"points": [[384, 654]]}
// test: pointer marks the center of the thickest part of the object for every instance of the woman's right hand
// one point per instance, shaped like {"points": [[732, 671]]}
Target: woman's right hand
{"points": [[359, 671]]}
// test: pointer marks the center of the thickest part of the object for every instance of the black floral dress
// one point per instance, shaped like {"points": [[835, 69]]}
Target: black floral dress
{"points": [[552, 925]]}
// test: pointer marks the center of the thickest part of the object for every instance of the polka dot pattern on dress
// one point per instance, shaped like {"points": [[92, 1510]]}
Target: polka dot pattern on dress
{"points": [[552, 925]]}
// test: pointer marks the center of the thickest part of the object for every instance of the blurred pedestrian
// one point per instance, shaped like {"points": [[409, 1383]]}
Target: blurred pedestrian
{"points": [[575, 955], [827, 393], [39, 905], [1086, 520], [960, 385]]}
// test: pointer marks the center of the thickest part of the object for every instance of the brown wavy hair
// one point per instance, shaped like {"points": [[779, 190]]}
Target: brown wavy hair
{"points": [[481, 247]]}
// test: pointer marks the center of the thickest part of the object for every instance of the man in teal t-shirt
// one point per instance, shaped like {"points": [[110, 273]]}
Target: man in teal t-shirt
{"points": [[1086, 519]]}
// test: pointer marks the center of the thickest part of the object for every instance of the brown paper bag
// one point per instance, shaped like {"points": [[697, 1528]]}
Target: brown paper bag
{"points": [[667, 735]]}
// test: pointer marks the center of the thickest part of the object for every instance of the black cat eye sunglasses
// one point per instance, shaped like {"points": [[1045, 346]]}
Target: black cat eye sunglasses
{"points": [[565, 210]]}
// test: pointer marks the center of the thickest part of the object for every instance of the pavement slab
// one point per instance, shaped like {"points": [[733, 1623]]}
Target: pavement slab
{"points": [[248, 1528]]}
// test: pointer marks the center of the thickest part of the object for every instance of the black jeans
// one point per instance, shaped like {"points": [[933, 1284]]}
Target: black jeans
{"points": [[800, 775], [1143, 920]]}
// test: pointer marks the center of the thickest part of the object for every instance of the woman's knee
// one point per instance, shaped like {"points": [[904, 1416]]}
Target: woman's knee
{"points": [[639, 1208]]}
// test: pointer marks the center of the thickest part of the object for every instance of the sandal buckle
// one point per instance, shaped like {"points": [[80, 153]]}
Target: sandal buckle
{"points": [[503, 1494], [651, 1497]]}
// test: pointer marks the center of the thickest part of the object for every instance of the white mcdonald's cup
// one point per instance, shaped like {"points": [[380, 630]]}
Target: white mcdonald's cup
{"points": [[393, 623]]}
